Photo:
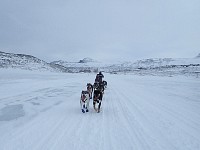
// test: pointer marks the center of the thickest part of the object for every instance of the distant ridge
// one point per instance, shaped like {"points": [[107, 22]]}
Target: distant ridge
{"points": [[23, 61], [198, 56], [86, 60], [154, 66]]}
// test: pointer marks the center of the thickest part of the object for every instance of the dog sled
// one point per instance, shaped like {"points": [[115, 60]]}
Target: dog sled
{"points": [[97, 90]]}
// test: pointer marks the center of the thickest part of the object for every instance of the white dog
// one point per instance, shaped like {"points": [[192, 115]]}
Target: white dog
{"points": [[84, 101], [90, 89]]}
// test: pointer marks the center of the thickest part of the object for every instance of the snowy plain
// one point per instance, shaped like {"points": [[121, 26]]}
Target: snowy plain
{"points": [[41, 111]]}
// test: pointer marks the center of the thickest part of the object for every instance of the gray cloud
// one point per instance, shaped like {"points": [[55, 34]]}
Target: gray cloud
{"points": [[101, 29]]}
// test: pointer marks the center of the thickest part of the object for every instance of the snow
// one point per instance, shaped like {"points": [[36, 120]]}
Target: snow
{"points": [[157, 66], [85, 63], [41, 111]]}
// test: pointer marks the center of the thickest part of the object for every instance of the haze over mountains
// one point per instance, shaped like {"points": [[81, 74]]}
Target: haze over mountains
{"points": [[167, 66]]}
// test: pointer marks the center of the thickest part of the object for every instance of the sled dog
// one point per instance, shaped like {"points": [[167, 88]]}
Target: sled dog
{"points": [[97, 99], [84, 101], [105, 83], [90, 89]]}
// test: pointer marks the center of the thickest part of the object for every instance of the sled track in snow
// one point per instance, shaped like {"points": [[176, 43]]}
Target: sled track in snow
{"points": [[137, 114]]}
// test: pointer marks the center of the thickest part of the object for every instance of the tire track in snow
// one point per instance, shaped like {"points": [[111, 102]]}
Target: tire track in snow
{"points": [[171, 120], [142, 101], [135, 130], [123, 123], [125, 137], [144, 129], [140, 126]]}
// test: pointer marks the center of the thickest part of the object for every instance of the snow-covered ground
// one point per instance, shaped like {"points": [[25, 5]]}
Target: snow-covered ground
{"points": [[41, 111]]}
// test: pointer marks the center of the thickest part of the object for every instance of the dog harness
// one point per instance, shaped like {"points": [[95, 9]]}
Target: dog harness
{"points": [[96, 98], [83, 98]]}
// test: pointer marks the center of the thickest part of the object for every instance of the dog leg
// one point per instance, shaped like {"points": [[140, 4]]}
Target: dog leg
{"points": [[99, 107], [87, 106], [91, 95], [94, 104], [82, 106], [83, 111]]}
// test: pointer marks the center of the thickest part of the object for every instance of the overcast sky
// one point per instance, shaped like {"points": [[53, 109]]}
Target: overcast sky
{"points": [[100, 29]]}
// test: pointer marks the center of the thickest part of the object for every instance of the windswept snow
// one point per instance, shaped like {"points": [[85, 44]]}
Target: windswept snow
{"points": [[41, 111]]}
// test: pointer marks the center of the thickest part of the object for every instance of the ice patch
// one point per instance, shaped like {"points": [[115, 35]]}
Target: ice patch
{"points": [[11, 112], [34, 103], [58, 103]]}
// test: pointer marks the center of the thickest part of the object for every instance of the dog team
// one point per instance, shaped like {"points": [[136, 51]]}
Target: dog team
{"points": [[94, 91]]}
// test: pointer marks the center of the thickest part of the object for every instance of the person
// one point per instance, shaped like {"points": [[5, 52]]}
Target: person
{"points": [[99, 77]]}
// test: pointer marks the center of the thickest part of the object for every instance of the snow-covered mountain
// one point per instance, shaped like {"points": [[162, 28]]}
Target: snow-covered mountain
{"points": [[159, 62], [87, 60], [156, 66], [198, 56], [83, 65], [27, 62]]}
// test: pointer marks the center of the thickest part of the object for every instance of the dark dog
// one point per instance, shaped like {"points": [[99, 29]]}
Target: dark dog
{"points": [[95, 86], [98, 95], [97, 99], [105, 84]]}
